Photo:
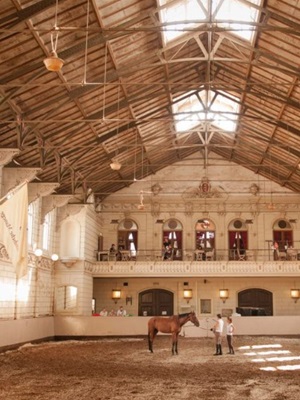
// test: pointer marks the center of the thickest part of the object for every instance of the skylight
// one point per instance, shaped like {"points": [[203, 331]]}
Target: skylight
{"points": [[206, 110], [188, 14]]}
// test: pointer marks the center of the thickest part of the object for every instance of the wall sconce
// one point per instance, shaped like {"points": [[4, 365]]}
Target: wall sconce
{"points": [[187, 295], [116, 295], [224, 294], [295, 294], [129, 300]]}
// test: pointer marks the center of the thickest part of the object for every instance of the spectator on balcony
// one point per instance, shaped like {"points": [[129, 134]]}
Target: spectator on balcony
{"points": [[121, 312], [168, 253], [113, 249], [275, 248]]}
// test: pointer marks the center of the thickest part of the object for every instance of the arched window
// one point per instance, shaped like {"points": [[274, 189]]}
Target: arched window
{"points": [[48, 231], [283, 234], [238, 239], [205, 234], [128, 236], [31, 228], [172, 239]]}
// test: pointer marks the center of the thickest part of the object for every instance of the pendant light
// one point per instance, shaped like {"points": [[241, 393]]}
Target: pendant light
{"points": [[53, 62]]}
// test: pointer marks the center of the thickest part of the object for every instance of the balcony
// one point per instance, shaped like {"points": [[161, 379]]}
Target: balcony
{"points": [[259, 255], [150, 263]]}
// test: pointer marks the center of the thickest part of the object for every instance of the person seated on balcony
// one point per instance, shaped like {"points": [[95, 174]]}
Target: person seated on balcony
{"points": [[168, 253], [291, 253], [113, 249], [103, 312]]}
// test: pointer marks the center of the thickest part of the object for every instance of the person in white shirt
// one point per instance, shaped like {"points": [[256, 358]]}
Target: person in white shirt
{"points": [[103, 313], [218, 331], [121, 312], [229, 334]]}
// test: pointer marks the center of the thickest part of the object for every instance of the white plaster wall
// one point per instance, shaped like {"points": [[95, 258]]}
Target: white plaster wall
{"points": [[91, 230], [133, 326], [25, 330], [208, 288]]}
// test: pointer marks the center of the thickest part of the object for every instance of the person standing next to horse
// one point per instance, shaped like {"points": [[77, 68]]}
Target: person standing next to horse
{"points": [[218, 332], [229, 335]]}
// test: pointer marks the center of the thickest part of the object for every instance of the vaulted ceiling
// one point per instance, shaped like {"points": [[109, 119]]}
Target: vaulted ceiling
{"points": [[112, 99]]}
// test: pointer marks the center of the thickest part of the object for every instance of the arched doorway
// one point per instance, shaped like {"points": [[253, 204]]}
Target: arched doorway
{"points": [[238, 239], [156, 302], [256, 299], [283, 234], [128, 236], [205, 238], [172, 240]]}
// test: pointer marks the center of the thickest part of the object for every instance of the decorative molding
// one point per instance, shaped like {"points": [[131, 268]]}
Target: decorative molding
{"points": [[6, 155], [40, 189], [13, 177], [156, 189], [254, 189], [54, 201], [155, 209], [189, 209], [69, 261], [204, 191], [196, 269]]}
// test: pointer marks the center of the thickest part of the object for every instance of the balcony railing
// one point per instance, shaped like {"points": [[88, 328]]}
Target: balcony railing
{"points": [[266, 254]]}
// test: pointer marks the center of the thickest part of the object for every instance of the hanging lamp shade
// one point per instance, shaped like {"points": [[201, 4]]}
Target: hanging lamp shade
{"points": [[53, 63], [115, 165]]}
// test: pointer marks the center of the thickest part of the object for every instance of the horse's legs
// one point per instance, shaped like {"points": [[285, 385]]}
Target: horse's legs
{"points": [[151, 337], [150, 341], [174, 342]]}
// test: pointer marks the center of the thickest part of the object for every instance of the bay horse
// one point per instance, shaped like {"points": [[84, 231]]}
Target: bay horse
{"points": [[172, 325]]}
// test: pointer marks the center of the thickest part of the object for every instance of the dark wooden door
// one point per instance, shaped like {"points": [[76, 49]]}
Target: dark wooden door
{"points": [[156, 302], [256, 298]]}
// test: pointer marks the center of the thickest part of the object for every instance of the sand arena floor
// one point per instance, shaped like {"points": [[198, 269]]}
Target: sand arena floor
{"points": [[263, 368]]}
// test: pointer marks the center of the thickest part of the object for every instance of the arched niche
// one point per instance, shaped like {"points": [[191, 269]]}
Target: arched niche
{"points": [[70, 240]]}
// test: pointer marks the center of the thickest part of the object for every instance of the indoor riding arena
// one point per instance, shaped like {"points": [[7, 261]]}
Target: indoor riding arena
{"points": [[149, 185], [262, 368]]}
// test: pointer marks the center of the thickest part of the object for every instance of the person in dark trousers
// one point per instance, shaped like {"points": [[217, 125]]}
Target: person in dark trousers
{"points": [[229, 335], [218, 332]]}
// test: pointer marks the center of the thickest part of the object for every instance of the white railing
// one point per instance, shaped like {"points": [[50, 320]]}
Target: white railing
{"points": [[266, 254], [137, 268]]}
